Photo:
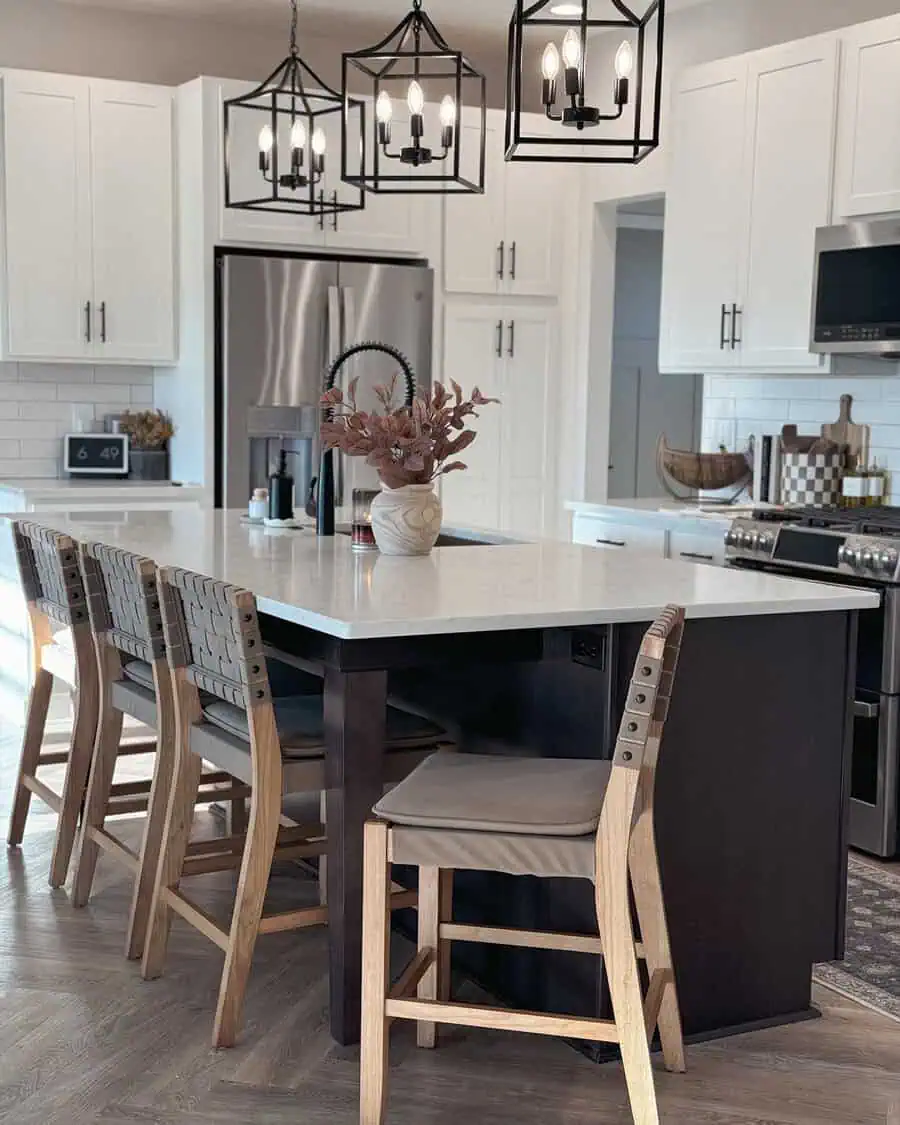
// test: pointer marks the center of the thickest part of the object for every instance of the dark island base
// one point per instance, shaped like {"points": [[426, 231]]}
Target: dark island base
{"points": [[750, 814], [751, 800]]}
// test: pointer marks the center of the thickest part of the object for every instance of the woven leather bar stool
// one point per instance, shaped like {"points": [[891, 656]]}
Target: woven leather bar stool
{"points": [[225, 714], [63, 650], [134, 680], [525, 816]]}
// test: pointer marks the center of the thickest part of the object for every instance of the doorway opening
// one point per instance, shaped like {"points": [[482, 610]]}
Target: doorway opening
{"points": [[643, 403]]}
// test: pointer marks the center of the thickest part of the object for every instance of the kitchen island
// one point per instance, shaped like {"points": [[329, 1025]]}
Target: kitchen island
{"points": [[528, 647]]}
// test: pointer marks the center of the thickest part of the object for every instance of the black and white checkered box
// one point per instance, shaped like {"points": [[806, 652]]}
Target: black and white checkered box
{"points": [[813, 479]]}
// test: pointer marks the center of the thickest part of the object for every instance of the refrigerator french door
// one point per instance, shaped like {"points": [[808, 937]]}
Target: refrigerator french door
{"points": [[281, 321]]}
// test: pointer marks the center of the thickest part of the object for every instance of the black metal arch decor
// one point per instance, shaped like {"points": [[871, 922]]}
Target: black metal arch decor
{"points": [[288, 128], [597, 65], [436, 142]]}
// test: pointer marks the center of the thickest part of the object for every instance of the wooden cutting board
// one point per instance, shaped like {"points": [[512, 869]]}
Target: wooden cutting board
{"points": [[846, 432]]}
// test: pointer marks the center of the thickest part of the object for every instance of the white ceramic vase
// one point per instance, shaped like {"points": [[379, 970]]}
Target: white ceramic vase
{"points": [[407, 520]]}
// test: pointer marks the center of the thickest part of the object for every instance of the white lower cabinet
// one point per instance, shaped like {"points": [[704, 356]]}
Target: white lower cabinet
{"points": [[509, 352], [594, 531], [708, 549]]}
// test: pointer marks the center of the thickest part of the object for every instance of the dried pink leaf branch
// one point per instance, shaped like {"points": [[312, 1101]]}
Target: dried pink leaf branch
{"points": [[407, 445]]}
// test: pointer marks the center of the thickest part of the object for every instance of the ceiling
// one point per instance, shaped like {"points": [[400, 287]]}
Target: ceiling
{"points": [[482, 17]]}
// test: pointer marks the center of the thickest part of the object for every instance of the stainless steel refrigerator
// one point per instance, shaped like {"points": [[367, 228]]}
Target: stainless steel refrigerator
{"points": [[281, 320]]}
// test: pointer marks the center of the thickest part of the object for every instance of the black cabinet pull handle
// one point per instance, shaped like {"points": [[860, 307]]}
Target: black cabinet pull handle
{"points": [[103, 322], [723, 336], [501, 260], [511, 350], [321, 210], [499, 339], [334, 221], [612, 543], [87, 322], [735, 339], [699, 558], [512, 261]]}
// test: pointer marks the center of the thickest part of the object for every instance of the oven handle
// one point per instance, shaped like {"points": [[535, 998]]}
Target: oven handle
{"points": [[863, 710]]}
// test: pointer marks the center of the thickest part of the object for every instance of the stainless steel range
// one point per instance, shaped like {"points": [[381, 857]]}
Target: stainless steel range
{"points": [[859, 547]]}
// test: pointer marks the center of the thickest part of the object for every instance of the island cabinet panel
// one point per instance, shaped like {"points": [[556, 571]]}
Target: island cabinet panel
{"points": [[89, 216], [608, 535], [867, 180], [751, 180], [751, 797]]}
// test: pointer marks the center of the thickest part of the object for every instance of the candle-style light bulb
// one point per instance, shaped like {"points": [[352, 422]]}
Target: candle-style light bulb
{"points": [[266, 140], [571, 49], [318, 154], [298, 135], [550, 62], [415, 98], [448, 112], [625, 60], [384, 109], [318, 142]]}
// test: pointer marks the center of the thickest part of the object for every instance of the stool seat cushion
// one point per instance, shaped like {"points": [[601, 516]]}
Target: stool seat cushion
{"points": [[301, 725], [498, 794], [139, 672]]}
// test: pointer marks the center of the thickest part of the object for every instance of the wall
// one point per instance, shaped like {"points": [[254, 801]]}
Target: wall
{"points": [[148, 47], [38, 403], [734, 408]]}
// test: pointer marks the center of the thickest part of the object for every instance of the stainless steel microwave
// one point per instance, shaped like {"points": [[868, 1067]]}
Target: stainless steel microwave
{"points": [[856, 290]]}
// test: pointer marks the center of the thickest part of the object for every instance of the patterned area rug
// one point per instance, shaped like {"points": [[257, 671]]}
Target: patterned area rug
{"points": [[870, 971]]}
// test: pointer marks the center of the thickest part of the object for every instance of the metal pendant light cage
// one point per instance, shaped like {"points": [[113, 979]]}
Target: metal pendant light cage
{"points": [[440, 148], [601, 93], [292, 123]]}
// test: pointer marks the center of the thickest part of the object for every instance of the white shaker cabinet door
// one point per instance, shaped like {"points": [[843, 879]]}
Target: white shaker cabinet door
{"points": [[133, 222], [867, 178], [46, 172], [474, 339], [526, 418], [476, 251], [536, 199], [790, 127], [703, 220]]}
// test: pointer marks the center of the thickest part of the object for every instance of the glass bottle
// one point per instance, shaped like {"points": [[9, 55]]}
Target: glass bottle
{"points": [[854, 488]]}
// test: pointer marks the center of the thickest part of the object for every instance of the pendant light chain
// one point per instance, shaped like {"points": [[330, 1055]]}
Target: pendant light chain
{"points": [[294, 28]]}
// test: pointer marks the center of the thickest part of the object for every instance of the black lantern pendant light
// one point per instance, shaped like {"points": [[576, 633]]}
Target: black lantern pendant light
{"points": [[590, 126], [423, 147], [289, 123]]}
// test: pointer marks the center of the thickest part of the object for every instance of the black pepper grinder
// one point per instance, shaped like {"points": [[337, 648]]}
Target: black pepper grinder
{"points": [[281, 491]]}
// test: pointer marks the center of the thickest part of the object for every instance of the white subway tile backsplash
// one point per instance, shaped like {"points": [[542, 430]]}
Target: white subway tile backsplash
{"points": [[38, 402], [815, 413]]}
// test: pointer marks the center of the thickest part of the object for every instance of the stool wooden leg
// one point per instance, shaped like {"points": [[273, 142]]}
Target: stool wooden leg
{"points": [[259, 851], [435, 906], [620, 958], [38, 703], [154, 825], [84, 734], [109, 734], [176, 834], [323, 859], [648, 898], [375, 975]]}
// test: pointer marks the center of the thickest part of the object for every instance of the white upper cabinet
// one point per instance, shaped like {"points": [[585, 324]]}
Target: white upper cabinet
{"points": [[790, 130], [751, 180], [867, 179], [46, 170], [506, 241], [703, 217], [133, 220], [89, 216]]}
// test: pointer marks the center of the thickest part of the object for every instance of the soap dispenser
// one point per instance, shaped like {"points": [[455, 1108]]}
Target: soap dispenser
{"points": [[281, 490]]}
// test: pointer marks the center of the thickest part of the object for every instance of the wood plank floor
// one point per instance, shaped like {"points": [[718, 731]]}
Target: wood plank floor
{"points": [[83, 1039]]}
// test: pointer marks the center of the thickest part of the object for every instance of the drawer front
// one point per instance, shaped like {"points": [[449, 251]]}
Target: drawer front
{"points": [[592, 532], [708, 550]]}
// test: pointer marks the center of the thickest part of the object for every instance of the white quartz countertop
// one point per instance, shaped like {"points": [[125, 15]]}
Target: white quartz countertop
{"points": [[666, 511], [322, 584], [77, 489]]}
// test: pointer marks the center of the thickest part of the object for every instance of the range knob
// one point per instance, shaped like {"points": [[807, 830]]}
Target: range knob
{"points": [[849, 556], [766, 541], [887, 560], [867, 559], [748, 540], [733, 538]]}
